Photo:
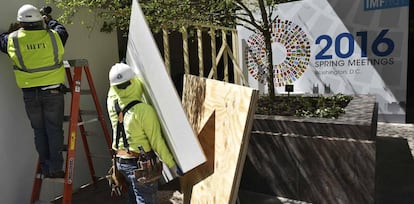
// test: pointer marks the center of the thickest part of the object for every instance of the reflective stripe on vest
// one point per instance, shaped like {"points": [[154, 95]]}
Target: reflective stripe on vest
{"points": [[19, 56]]}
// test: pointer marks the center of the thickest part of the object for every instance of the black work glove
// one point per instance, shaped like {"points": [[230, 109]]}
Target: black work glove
{"points": [[47, 18], [176, 171], [45, 11], [13, 27]]}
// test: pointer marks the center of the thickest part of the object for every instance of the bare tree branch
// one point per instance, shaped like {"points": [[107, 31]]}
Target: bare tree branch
{"points": [[248, 12], [255, 25]]}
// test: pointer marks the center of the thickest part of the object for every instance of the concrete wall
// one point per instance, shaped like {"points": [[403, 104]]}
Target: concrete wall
{"points": [[17, 151]]}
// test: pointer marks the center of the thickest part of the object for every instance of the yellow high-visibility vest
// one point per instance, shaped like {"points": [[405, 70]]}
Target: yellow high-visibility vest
{"points": [[37, 56]]}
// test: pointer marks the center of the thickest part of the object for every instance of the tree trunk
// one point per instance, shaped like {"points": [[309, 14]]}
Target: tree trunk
{"points": [[267, 37], [271, 76]]}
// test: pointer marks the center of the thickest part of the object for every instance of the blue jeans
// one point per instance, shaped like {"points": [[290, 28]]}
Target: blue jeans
{"points": [[45, 109], [138, 193]]}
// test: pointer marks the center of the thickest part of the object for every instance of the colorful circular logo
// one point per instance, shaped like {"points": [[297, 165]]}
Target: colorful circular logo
{"points": [[291, 53]]}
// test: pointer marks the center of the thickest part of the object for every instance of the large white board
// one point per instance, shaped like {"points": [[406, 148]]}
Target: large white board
{"points": [[350, 47], [143, 55]]}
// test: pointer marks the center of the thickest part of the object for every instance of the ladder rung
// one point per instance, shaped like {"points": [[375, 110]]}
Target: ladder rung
{"points": [[66, 118], [76, 62], [56, 180], [88, 121]]}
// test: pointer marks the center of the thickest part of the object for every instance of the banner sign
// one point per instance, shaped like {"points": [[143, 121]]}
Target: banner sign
{"points": [[330, 46], [384, 4]]}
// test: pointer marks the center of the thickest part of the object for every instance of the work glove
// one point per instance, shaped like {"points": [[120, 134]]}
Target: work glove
{"points": [[176, 171], [45, 11], [116, 181], [13, 27], [47, 18]]}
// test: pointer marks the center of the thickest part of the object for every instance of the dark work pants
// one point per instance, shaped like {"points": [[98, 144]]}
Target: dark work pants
{"points": [[138, 193], [45, 109]]}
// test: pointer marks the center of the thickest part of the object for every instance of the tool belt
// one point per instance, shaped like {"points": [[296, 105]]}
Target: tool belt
{"points": [[149, 165], [149, 168], [125, 153]]}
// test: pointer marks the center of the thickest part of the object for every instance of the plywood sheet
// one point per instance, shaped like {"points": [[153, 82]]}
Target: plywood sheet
{"points": [[143, 55], [207, 140], [234, 107]]}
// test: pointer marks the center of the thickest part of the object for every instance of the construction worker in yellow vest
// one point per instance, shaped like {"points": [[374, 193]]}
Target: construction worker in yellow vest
{"points": [[37, 56], [140, 139]]}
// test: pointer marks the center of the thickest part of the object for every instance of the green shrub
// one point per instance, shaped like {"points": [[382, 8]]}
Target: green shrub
{"points": [[331, 106]]}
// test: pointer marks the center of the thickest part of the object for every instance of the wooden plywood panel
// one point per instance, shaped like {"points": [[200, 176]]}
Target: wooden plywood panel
{"points": [[144, 57], [234, 107], [207, 140]]}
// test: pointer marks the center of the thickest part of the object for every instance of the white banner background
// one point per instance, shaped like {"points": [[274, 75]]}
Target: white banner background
{"points": [[353, 50]]}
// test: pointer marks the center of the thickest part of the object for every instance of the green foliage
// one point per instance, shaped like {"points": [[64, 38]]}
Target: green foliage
{"points": [[304, 106], [174, 14], [171, 14], [115, 13]]}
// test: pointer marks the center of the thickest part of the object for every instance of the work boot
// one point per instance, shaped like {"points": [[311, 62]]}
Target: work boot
{"points": [[57, 174]]}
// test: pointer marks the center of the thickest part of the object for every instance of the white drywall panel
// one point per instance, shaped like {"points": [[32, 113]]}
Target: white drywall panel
{"points": [[17, 152], [143, 55]]}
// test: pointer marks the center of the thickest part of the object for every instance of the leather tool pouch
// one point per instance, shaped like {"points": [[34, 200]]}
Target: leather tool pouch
{"points": [[149, 170], [116, 180]]}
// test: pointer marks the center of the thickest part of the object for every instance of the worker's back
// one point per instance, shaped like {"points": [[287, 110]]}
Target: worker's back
{"points": [[37, 57]]}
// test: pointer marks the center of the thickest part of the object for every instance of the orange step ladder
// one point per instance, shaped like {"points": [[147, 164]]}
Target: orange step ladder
{"points": [[75, 69]]}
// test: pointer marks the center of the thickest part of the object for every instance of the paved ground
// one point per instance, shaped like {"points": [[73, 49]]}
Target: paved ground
{"points": [[394, 175]]}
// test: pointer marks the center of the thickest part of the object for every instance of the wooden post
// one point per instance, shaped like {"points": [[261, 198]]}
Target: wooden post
{"points": [[213, 52], [235, 44], [200, 52], [185, 50], [225, 55], [166, 44]]}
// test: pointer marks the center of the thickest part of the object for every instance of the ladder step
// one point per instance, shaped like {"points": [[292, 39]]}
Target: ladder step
{"points": [[88, 121], [56, 180], [66, 118], [76, 62]]}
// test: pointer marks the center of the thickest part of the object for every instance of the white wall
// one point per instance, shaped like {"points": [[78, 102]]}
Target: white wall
{"points": [[17, 151]]}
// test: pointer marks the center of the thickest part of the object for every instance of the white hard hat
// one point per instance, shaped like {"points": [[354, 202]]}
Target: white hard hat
{"points": [[120, 73], [28, 13]]}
